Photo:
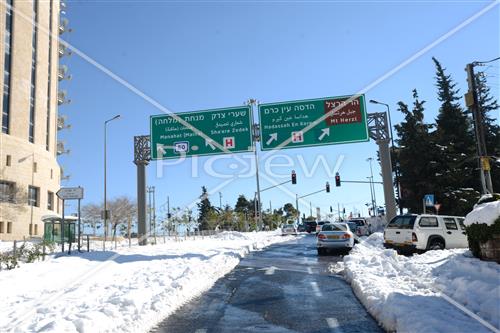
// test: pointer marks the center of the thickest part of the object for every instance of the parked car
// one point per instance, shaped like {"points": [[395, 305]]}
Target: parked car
{"points": [[334, 236], [310, 226], [425, 232], [301, 228], [362, 226], [288, 229], [319, 225]]}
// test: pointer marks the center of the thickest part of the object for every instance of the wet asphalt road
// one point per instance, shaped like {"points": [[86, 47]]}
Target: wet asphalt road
{"points": [[284, 288]]}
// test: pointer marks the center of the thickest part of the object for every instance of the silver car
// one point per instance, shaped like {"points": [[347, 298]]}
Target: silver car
{"points": [[288, 229], [335, 236]]}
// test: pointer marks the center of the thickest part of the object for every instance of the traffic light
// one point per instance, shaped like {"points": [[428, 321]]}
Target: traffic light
{"points": [[327, 187], [337, 179], [294, 177]]}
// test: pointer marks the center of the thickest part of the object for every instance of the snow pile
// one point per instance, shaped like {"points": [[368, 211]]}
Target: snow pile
{"points": [[127, 290], [415, 294], [484, 213], [377, 223]]}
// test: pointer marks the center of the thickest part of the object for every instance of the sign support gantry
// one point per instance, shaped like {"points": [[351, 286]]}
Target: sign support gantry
{"points": [[379, 131], [142, 156]]}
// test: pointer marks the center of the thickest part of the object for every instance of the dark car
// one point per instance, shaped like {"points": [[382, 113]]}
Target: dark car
{"points": [[301, 228], [311, 226]]}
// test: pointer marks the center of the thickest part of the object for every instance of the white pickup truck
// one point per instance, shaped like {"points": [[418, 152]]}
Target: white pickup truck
{"points": [[425, 232]]}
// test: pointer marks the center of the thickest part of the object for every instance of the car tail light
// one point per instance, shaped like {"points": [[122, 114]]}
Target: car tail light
{"points": [[414, 237], [346, 236], [321, 236]]}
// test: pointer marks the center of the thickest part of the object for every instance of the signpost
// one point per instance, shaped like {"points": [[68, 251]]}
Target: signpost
{"points": [[314, 122], [207, 132], [70, 193], [428, 201]]}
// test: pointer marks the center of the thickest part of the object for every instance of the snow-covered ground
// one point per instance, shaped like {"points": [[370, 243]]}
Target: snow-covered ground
{"points": [[127, 290], [424, 293]]}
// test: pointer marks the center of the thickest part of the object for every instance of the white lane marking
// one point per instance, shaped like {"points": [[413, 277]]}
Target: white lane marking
{"points": [[316, 290], [333, 323], [309, 270], [200, 330]]}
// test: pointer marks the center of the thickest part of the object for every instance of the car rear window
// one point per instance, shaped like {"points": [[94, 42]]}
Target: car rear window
{"points": [[333, 227], [402, 222]]}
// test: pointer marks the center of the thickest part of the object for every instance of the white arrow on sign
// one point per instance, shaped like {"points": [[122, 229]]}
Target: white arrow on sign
{"points": [[160, 150], [272, 137], [209, 143], [269, 270], [325, 132], [70, 193]]}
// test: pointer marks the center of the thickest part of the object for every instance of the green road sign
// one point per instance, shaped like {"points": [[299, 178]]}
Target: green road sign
{"points": [[314, 122], [216, 131]]}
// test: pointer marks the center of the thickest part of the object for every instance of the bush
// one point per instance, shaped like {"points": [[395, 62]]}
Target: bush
{"points": [[481, 233], [27, 253]]}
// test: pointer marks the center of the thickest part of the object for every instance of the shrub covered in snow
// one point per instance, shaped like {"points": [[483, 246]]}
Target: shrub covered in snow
{"points": [[483, 228]]}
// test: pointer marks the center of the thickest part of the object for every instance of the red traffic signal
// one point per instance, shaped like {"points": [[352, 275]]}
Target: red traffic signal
{"points": [[337, 179], [327, 187], [294, 177]]}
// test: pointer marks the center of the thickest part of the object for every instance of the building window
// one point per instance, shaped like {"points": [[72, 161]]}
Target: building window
{"points": [[2, 230], [7, 67], [8, 161], [51, 173], [34, 37], [9, 227], [7, 191], [35, 167], [49, 94], [31, 229], [34, 196], [50, 200], [36, 229]]}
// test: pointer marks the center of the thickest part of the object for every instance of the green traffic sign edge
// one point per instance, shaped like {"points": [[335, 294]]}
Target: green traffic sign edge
{"points": [[250, 118], [317, 144]]}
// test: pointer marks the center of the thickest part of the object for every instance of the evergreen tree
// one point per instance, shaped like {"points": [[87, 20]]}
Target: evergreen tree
{"points": [[488, 104], [457, 166], [415, 166], [205, 209]]}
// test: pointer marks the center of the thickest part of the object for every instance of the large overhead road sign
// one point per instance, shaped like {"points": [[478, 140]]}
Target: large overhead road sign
{"points": [[207, 132], [314, 122]]}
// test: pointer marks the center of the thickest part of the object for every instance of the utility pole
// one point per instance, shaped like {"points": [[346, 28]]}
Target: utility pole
{"points": [[256, 137], [472, 102], [154, 213], [220, 201]]}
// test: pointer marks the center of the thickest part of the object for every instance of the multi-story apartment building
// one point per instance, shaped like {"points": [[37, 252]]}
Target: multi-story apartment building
{"points": [[29, 172]]}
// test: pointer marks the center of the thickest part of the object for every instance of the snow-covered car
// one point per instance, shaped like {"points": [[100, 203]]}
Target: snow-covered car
{"points": [[288, 229], [362, 226], [334, 236], [425, 232]]}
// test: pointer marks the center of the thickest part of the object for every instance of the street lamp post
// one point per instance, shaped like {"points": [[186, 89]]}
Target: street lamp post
{"points": [[105, 179], [398, 190]]}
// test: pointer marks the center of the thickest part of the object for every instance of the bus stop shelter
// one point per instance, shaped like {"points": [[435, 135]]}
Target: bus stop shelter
{"points": [[53, 232]]}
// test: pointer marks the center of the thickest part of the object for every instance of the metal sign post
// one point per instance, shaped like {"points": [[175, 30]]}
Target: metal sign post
{"points": [[70, 193]]}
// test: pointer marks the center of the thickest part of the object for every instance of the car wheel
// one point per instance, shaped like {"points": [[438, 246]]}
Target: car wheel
{"points": [[436, 245], [321, 251]]}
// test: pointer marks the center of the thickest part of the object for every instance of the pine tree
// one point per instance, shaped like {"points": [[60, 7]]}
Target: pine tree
{"points": [[488, 104], [204, 210], [413, 155], [453, 137]]}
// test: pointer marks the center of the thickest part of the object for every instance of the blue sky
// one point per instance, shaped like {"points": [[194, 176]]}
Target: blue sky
{"points": [[198, 55]]}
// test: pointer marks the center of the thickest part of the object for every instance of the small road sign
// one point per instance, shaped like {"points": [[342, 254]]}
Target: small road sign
{"points": [[70, 193], [429, 200], [296, 124], [207, 132]]}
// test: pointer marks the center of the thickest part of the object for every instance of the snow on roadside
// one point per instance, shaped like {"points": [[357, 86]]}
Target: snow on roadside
{"points": [[405, 294], [128, 290], [486, 212]]}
